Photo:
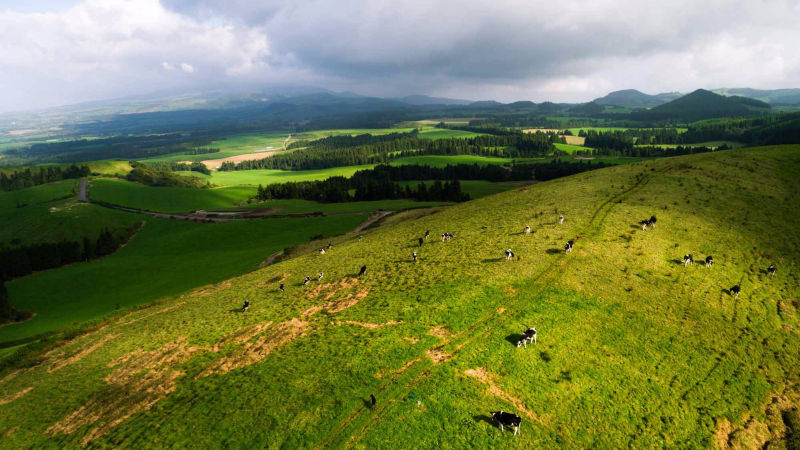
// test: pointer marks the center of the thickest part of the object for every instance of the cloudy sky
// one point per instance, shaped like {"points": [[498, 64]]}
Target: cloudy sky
{"points": [[55, 52]]}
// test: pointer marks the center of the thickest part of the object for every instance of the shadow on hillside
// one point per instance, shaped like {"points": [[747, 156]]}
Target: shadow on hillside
{"points": [[636, 227], [554, 251], [483, 418], [235, 310], [518, 233], [367, 403], [407, 261], [676, 261], [492, 260], [513, 338]]}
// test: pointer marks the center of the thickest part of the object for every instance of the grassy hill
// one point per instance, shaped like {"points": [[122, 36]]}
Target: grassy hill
{"points": [[631, 98], [634, 349], [702, 104]]}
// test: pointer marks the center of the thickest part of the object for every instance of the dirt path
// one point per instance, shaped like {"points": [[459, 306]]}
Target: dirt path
{"points": [[83, 195], [376, 216]]}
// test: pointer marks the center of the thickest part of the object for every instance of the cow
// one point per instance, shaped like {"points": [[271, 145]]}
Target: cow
{"points": [[688, 260], [319, 277], [322, 251], [246, 306], [644, 223], [527, 229], [363, 270], [372, 399], [735, 291], [307, 280], [709, 261], [446, 237], [771, 270], [653, 221], [330, 245], [414, 255], [507, 419], [560, 220], [427, 234], [509, 254], [281, 288], [527, 336], [568, 247], [420, 242]]}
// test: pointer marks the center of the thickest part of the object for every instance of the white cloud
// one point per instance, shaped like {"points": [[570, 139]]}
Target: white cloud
{"points": [[570, 50]]}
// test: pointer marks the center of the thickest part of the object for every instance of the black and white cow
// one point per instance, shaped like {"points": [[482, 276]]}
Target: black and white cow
{"points": [[505, 419], [653, 221], [414, 255], [644, 223], [246, 306], [568, 246], [527, 229], [771, 270], [688, 260], [735, 291], [322, 251], [421, 241], [330, 245], [319, 277], [446, 236], [560, 220], [427, 233], [281, 288], [307, 280], [509, 254], [709, 261], [528, 336], [363, 270]]}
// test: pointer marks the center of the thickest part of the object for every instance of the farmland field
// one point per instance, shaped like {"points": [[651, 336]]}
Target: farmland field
{"points": [[165, 258], [634, 350]]}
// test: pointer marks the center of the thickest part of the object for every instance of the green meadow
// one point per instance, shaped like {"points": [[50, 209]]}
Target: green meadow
{"points": [[634, 349], [165, 258]]}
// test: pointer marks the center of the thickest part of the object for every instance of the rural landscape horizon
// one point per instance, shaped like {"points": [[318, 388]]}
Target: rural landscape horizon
{"points": [[364, 224]]}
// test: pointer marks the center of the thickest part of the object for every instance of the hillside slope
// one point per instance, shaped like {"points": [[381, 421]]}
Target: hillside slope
{"points": [[702, 104], [631, 98], [633, 350]]}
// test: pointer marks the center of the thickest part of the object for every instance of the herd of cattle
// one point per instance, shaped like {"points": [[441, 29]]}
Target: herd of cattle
{"points": [[506, 419]]}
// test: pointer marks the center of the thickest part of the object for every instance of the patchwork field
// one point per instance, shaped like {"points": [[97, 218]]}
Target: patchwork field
{"points": [[634, 349]]}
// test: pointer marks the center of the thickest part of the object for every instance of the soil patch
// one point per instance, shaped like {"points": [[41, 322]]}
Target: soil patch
{"points": [[15, 396], [367, 324], [485, 377], [65, 361]]}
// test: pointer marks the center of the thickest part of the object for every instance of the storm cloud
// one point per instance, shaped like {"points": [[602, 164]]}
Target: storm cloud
{"points": [[505, 49]]}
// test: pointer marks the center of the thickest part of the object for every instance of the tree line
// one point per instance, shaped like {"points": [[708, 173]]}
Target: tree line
{"points": [[24, 260], [202, 151], [338, 152], [152, 176], [174, 166], [25, 178]]}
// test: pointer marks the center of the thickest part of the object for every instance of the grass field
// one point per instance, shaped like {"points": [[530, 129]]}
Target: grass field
{"points": [[165, 258], [569, 148], [634, 350], [230, 146], [50, 213]]}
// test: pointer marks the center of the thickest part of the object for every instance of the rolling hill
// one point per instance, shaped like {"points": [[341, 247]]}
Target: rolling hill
{"points": [[702, 104], [773, 96], [631, 98], [634, 349]]}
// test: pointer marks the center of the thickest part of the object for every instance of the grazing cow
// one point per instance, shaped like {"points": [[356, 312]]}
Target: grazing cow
{"points": [[527, 229], [414, 255], [319, 277], [527, 336], [653, 221], [507, 419], [427, 233], [246, 306], [420, 242], [281, 288], [372, 398], [644, 223], [771, 270], [329, 245], [322, 251], [560, 220], [735, 291], [568, 247], [446, 236], [307, 280], [688, 260], [509, 254], [363, 270], [709, 261]]}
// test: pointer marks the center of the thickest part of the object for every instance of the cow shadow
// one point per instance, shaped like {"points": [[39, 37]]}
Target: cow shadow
{"points": [[513, 338], [726, 291], [636, 227], [483, 418], [235, 310], [367, 403], [676, 261], [518, 233], [554, 251], [407, 261], [492, 260]]}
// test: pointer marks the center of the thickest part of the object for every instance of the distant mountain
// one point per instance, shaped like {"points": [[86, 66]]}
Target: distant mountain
{"points": [[485, 104], [426, 100], [773, 97], [702, 104], [631, 98]]}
